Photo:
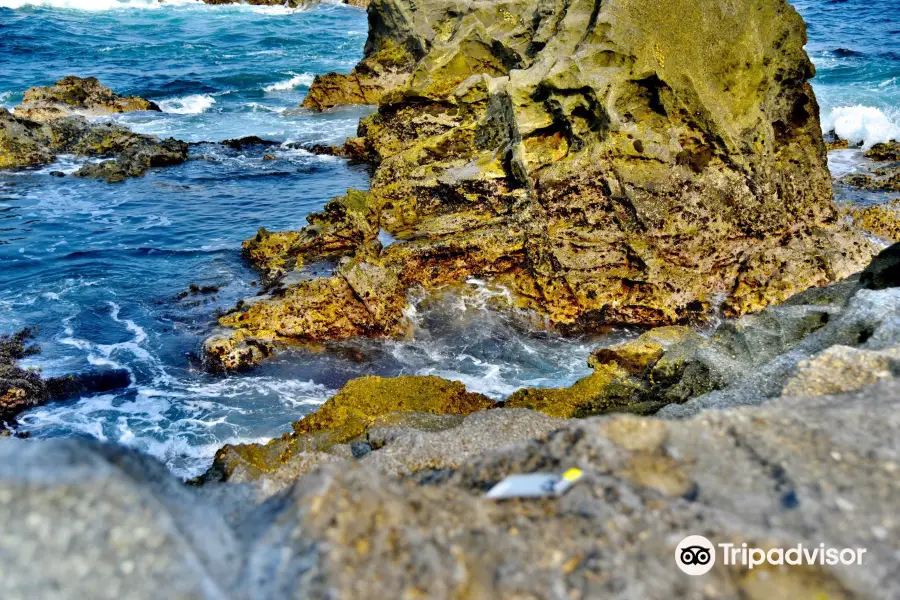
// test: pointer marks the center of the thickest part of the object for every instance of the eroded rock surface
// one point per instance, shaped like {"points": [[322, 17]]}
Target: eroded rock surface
{"points": [[27, 143], [627, 162], [363, 403], [811, 470], [75, 95]]}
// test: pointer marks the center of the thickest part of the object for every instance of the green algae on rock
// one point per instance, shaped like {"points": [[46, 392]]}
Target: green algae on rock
{"points": [[882, 220], [74, 95], [628, 162], [347, 416], [27, 143]]}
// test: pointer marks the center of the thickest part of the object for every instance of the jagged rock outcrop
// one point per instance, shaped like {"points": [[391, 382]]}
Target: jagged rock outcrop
{"points": [[73, 95], [23, 389], [882, 220], [623, 162], [287, 3], [26, 143]]}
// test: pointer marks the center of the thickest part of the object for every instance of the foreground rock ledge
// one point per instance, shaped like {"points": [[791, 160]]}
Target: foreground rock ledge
{"points": [[634, 161], [807, 470]]}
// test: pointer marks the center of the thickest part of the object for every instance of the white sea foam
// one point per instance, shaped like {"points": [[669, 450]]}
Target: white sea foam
{"points": [[304, 79], [93, 5], [188, 105], [860, 124]]}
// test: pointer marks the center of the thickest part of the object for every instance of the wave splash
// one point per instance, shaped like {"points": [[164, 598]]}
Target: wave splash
{"points": [[188, 105], [93, 5], [860, 124], [304, 79]]}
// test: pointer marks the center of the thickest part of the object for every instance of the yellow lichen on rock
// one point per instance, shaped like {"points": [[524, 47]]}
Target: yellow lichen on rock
{"points": [[347, 415]]}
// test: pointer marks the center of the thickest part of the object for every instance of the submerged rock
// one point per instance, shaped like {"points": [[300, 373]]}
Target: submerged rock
{"points": [[73, 95], [603, 167]]}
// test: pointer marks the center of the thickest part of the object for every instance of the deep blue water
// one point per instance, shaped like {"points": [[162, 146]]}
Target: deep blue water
{"points": [[98, 267]]}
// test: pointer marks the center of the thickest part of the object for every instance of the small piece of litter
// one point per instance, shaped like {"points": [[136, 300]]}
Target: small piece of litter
{"points": [[535, 485]]}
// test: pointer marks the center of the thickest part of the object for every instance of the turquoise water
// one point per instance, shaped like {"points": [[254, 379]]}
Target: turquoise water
{"points": [[100, 268]]}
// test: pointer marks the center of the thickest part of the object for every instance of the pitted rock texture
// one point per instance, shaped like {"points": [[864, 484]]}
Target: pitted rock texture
{"points": [[73, 95], [27, 143], [811, 470], [620, 162], [361, 404]]}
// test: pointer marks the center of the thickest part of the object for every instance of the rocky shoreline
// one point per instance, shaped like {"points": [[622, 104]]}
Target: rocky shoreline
{"points": [[51, 121], [606, 178], [607, 167]]}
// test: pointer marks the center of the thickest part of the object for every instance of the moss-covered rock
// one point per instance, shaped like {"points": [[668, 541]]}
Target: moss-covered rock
{"points": [[346, 416], [74, 95], [26, 143], [630, 162], [884, 151], [882, 220], [886, 179], [23, 143]]}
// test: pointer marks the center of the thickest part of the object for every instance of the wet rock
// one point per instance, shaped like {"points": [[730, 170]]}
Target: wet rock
{"points": [[591, 160], [607, 389], [73, 95], [20, 389], [886, 179], [94, 382], [344, 418], [25, 143], [24, 389], [138, 154], [234, 352], [882, 220], [885, 151], [248, 142], [22, 142]]}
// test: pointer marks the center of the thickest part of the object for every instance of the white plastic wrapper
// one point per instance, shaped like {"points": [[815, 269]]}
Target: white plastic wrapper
{"points": [[535, 485]]}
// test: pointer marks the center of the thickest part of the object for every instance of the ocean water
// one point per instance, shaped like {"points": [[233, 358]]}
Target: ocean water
{"points": [[102, 269]]}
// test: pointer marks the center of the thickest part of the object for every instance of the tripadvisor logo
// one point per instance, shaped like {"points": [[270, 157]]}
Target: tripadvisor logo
{"points": [[696, 555]]}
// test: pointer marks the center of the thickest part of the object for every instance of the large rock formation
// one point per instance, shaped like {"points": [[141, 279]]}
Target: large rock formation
{"points": [[631, 161], [823, 341]]}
